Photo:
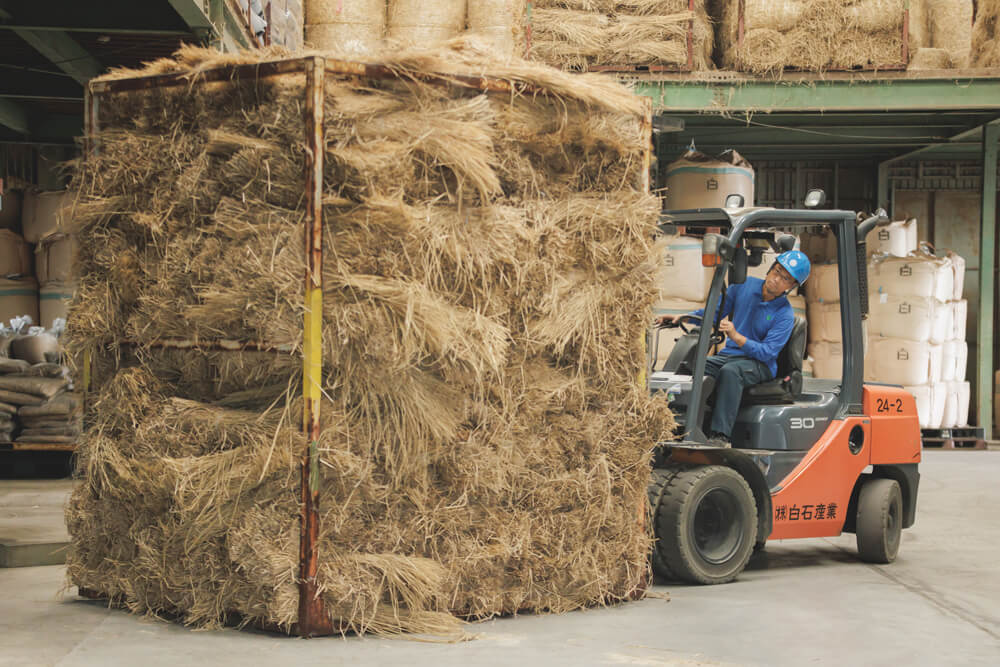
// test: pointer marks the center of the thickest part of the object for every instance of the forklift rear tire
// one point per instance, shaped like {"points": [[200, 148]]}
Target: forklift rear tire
{"points": [[879, 520], [706, 525]]}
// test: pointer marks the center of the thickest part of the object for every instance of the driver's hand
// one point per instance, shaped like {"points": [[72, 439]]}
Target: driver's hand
{"points": [[667, 319], [726, 327]]}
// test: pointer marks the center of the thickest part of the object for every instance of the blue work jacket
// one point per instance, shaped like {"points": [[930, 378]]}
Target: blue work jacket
{"points": [[766, 324]]}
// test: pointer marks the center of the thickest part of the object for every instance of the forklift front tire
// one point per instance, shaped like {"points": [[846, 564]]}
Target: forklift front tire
{"points": [[879, 520], [706, 525]]}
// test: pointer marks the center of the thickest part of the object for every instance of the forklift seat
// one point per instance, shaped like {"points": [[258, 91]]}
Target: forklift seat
{"points": [[787, 386]]}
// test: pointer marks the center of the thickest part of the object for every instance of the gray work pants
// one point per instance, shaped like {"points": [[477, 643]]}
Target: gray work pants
{"points": [[732, 375]]}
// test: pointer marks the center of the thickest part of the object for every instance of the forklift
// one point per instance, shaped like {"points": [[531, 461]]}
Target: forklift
{"points": [[809, 457]]}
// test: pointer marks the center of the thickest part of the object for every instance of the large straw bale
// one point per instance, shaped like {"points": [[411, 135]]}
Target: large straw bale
{"points": [[424, 23], [351, 27], [985, 49], [575, 34], [813, 36], [488, 273], [950, 23]]}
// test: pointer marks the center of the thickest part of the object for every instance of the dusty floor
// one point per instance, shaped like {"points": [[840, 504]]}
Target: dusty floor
{"points": [[808, 602]]}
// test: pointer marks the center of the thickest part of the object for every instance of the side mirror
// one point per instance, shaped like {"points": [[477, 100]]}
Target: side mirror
{"points": [[785, 242], [735, 201], [738, 269]]}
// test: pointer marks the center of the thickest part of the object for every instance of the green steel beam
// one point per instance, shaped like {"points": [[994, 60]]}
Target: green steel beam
{"points": [[884, 195], [98, 30], [64, 52], [194, 14], [875, 94], [987, 279], [14, 116]]}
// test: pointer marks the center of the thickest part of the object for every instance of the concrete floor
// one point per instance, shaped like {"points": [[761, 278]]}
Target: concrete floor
{"points": [[805, 602]]}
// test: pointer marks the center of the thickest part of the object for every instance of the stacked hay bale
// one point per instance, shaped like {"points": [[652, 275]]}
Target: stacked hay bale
{"points": [[813, 35], [985, 49], [369, 28], [488, 276], [940, 33], [577, 34]]}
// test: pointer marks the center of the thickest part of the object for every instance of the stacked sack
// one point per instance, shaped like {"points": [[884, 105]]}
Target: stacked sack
{"points": [[826, 350], [18, 288], [683, 284], [36, 400], [917, 327]]}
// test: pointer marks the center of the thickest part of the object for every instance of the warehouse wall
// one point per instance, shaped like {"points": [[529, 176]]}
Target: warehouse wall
{"points": [[848, 184]]}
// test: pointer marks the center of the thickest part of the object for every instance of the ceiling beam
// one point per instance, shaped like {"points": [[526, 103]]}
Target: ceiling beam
{"points": [[193, 14], [14, 117], [64, 52], [61, 49], [959, 140], [18, 83], [96, 29]]}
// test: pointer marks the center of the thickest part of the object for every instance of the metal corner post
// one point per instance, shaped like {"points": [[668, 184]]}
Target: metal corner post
{"points": [[313, 619], [987, 280]]}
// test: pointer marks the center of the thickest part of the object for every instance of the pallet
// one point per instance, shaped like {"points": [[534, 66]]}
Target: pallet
{"points": [[965, 437], [639, 69]]}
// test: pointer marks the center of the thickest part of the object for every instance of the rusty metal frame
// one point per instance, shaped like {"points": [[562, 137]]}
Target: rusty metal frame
{"points": [[312, 617]]}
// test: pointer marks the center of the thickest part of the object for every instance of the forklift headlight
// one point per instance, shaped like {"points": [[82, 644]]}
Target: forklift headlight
{"points": [[735, 201], [815, 198]]}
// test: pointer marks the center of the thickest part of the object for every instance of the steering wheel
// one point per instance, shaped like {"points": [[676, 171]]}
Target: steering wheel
{"points": [[674, 325]]}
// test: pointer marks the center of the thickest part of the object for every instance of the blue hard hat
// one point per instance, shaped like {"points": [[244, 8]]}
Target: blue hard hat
{"points": [[796, 263]]}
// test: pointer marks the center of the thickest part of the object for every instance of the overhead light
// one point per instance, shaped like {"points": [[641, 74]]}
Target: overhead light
{"points": [[103, 39]]}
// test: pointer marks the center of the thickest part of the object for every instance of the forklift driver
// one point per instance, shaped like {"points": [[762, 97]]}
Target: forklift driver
{"points": [[758, 321]]}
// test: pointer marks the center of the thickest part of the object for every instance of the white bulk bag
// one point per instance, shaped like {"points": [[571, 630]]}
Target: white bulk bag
{"points": [[958, 274], [827, 360], [904, 362], [959, 316], [961, 350], [950, 417], [939, 395], [919, 275], [913, 318], [949, 361], [943, 323], [681, 275], [922, 394], [798, 304], [823, 284], [964, 391], [894, 239], [824, 322]]}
